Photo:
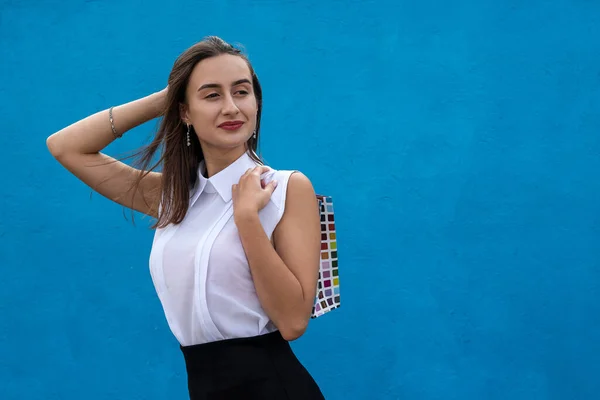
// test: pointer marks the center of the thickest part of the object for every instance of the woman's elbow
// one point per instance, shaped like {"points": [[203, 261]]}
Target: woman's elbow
{"points": [[53, 147], [292, 332]]}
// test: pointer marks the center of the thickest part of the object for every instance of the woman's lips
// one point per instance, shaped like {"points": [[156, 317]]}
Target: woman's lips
{"points": [[231, 125]]}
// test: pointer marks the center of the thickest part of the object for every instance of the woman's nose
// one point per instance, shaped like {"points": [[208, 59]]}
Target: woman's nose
{"points": [[229, 106]]}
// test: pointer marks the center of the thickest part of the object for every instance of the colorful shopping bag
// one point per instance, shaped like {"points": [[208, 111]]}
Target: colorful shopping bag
{"points": [[328, 286]]}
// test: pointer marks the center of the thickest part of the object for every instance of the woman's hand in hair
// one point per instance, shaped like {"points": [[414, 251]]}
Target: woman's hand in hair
{"points": [[162, 100]]}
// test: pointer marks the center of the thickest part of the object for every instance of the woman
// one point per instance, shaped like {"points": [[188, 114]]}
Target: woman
{"points": [[236, 250]]}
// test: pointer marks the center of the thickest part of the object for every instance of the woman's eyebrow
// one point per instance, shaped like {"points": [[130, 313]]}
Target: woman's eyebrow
{"points": [[217, 85]]}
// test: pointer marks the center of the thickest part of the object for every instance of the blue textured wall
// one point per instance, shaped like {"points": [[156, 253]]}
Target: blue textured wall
{"points": [[460, 142]]}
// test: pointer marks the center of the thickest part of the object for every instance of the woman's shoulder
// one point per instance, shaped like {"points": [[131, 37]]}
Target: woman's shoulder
{"points": [[289, 182], [276, 173], [286, 176]]}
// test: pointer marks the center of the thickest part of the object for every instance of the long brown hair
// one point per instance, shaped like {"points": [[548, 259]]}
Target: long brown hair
{"points": [[179, 162]]}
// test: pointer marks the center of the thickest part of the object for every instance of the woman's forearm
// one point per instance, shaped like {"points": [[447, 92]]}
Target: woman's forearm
{"points": [[93, 133]]}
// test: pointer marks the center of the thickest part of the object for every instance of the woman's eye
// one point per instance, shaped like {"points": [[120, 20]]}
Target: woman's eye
{"points": [[212, 96], [243, 92]]}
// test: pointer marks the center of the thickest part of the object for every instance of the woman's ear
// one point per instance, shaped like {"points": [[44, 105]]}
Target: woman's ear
{"points": [[183, 113]]}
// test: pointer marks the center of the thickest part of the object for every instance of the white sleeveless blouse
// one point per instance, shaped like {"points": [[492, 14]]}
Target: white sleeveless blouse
{"points": [[199, 268]]}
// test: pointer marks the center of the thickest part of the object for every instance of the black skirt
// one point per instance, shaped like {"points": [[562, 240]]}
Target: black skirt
{"points": [[261, 367]]}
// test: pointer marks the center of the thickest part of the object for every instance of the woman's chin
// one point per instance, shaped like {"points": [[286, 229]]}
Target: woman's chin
{"points": [[229, 141]]}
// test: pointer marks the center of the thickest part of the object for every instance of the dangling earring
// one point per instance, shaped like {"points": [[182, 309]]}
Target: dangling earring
{"points": [[188, 136], [254, 135]]}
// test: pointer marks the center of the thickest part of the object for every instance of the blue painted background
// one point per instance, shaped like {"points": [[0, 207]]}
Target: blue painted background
{"points": [[461, 144]]}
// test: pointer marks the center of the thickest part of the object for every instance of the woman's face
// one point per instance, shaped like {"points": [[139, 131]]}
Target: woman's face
{"points": [[221, 105]]}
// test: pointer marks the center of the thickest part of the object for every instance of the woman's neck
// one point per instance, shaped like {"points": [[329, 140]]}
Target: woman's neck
{"points": [[216, 160]]}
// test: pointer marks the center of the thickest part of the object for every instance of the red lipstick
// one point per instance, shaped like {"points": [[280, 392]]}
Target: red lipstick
{"points": [[231, 125]]}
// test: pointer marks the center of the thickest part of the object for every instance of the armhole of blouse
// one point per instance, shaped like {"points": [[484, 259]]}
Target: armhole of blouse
{"points": [[282, 177], [283, 184]]}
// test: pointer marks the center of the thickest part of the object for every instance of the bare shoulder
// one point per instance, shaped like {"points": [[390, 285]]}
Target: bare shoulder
{"points": [[300, 185], [300, 195], [300, 199]]}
